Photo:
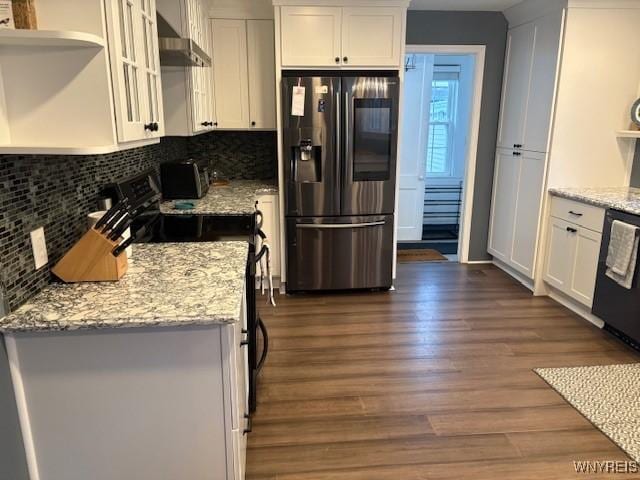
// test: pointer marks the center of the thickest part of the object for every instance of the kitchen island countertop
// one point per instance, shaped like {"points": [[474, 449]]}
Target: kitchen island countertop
{"points": [[169, 284], [626, 199], [237, 198]]}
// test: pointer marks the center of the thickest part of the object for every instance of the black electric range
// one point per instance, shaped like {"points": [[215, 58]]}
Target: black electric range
{"points": [[151, 226]]}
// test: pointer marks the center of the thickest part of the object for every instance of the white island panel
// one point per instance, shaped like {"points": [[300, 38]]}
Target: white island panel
{"points": [[116, 404]]}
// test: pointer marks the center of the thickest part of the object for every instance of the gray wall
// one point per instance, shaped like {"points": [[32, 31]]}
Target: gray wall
{"points": [[472, 28], [13, 464]]}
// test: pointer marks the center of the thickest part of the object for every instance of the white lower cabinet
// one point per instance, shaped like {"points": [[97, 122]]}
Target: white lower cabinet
{"points": [[572, 258], [515, 209], [268, 205], [236, 376]]}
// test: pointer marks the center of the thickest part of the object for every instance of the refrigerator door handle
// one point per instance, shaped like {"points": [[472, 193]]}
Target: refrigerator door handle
{"points": [[322, 226], [347, 148], [338, 147]]}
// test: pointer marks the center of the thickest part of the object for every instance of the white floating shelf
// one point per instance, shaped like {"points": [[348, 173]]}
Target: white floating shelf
{"points": [[628, 133], [67, 150], [49, 38]]}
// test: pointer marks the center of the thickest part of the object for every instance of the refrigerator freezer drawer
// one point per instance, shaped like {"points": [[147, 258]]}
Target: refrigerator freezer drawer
{"points": [[339, 253]]}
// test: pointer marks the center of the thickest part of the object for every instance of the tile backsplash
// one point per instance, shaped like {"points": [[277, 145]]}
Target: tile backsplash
{"points": [[57, 192], [238, 155]]}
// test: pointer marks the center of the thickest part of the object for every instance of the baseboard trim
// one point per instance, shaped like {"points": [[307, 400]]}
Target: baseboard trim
{"points": [[479, 262], [575, 307]]}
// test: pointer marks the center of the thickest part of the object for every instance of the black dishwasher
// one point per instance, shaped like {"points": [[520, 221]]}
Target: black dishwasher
{"points": [[617, 306]]}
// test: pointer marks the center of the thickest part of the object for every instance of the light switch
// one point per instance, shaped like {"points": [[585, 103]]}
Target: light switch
{"points": [[39, 247]]}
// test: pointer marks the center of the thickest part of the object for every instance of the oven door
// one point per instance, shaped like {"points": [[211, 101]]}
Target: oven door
{"points": [[617, 306], [339, 253]]}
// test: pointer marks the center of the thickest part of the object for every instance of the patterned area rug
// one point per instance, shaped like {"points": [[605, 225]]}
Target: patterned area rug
{"points": [[420, 255], [608, 396]]}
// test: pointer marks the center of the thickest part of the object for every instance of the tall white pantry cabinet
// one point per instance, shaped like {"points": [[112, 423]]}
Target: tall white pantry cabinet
{"points": [[571, 76], [87, 82]]}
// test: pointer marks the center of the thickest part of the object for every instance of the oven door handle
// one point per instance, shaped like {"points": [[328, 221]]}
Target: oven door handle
{"points": [[327, 226], [265, 342]]}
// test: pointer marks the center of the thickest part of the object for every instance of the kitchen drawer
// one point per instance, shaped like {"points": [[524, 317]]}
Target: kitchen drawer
{"points": [[582, 214]]}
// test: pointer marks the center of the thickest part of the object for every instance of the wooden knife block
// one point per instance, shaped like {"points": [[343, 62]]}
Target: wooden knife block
{"points": [[91, 260]]}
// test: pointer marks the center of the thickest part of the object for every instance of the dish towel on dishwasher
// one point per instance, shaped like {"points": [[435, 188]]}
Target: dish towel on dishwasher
{"points": [[622, 256]]}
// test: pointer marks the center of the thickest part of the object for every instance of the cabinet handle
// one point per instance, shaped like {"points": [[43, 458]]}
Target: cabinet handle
{"points": [[571, 230], [152, 127], [249, 427], [571, 212], [337, 59], [516, 154], [517, 145], [215, 124], [207, 124], [345, 59]]}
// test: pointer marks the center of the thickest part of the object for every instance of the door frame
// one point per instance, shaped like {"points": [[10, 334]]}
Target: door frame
{"points": [[479, 52]]}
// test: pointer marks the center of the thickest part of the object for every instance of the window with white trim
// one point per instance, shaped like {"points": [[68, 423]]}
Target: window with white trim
{"points": [[442, 121]]}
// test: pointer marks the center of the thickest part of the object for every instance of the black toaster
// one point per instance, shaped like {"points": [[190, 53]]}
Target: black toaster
{"points": [[185, 179]]}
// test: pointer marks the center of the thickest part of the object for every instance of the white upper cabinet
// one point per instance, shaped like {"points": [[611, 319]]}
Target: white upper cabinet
{"points": [[135, 69], [516, 86], [529, 84], [371, 36], [230, 73], [244, 74], [544, 63], [187, 90], [311, 36], [323, 36], [262, 79]]}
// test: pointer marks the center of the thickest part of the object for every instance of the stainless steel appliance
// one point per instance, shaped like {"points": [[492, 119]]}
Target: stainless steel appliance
{"points": [[184, 180], [617, 306], [340, 135]]}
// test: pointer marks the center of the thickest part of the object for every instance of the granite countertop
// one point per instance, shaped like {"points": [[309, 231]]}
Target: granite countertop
{"points": [[238, 198], [167, 285], [625, 199]]}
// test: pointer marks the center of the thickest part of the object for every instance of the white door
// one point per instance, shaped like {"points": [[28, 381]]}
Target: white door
{"points": [[371, 36], [516, 85], [415, 112], [527, 212], [262, 74], [543, 81], [311, 36], [585, 265], [560, 253], [505, 183], [230, 73]]}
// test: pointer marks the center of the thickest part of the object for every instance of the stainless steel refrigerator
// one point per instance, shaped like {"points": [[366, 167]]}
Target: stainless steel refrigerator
{"points": [[340, 136]]}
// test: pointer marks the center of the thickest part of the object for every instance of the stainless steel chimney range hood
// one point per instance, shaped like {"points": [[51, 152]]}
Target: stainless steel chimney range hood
{"points": [[176, 51]]}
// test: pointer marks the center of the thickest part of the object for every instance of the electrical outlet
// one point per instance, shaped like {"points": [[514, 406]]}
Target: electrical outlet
{"points": [[39, 247]]}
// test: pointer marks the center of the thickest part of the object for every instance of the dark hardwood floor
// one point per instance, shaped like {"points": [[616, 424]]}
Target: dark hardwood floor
{"points": [[432, 381]]}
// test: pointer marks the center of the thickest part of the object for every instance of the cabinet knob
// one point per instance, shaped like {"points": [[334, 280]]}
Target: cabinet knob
{"points": [[337, 59], [215, 124], [253, 124], [345, 59]]}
